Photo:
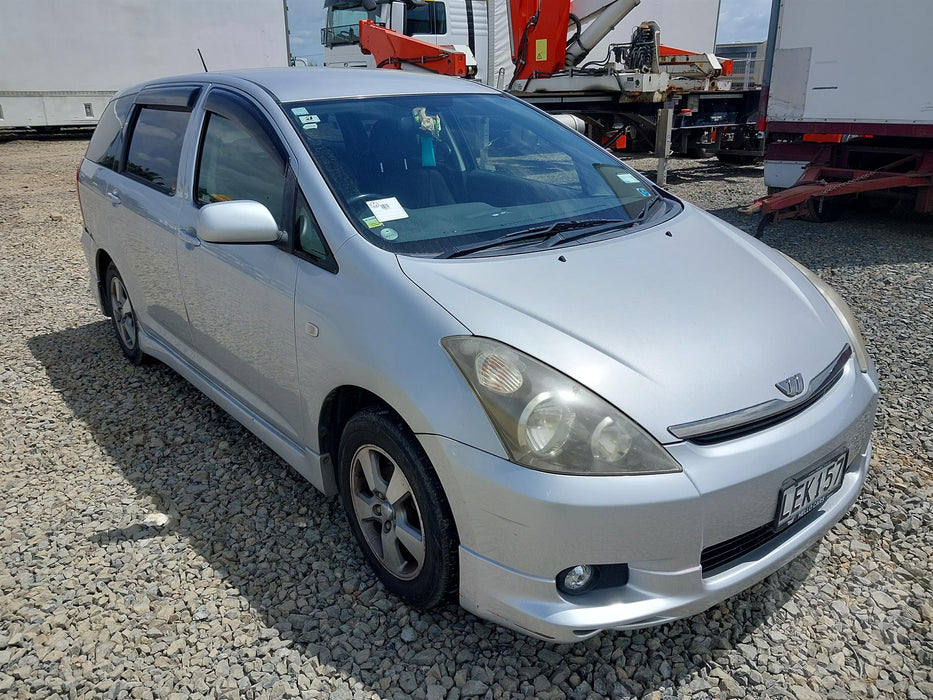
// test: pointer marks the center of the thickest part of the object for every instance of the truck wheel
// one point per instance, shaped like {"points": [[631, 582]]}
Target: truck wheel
{"points": [[123, 316], [396, 508]]}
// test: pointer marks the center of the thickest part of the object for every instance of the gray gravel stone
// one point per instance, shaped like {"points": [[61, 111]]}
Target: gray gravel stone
{"points": [[473, 688]]}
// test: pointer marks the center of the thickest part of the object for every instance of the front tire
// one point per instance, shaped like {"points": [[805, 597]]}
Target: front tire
{"points": [[396, 509], [123, 316]]}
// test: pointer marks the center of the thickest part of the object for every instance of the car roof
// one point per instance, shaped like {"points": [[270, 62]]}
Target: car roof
{"points": [[303, 84]]}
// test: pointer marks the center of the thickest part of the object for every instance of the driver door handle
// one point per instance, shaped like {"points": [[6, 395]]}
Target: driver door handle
{"points": [[114, 198]]}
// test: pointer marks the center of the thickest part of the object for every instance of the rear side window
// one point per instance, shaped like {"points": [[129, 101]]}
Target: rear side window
{"points": [[155, 147], [106, 144]]}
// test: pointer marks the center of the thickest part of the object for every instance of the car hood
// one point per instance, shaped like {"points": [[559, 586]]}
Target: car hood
{"points": [[676, 323]]}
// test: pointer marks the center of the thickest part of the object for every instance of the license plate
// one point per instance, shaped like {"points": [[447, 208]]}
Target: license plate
{"points": [[808, 491]]}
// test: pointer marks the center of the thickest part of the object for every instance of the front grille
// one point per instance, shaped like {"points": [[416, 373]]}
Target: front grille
{"points": [[719, 555]]}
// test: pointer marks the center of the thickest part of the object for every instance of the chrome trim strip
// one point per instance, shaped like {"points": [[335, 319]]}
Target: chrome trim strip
{"points": [[767, 411]]}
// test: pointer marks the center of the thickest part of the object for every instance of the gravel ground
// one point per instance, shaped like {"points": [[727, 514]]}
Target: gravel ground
{"points": [[253, 586]]}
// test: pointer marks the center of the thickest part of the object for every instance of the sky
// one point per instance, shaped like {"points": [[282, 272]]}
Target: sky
{"points": [[739, 20], [305, 19], [743, 20]]}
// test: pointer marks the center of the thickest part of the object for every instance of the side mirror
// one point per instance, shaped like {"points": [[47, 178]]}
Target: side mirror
{"points": [[238, 221]]}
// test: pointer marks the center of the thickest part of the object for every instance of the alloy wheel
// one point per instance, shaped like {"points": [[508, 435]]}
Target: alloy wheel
{"points": [[387, 512], [123, 316]]}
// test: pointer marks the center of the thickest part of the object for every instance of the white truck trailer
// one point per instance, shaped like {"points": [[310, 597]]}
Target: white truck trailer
{"points": [[61, 60], [848, 101]]}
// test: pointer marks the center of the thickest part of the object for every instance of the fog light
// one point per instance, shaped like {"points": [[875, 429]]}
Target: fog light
{"points": [[577, 579]]}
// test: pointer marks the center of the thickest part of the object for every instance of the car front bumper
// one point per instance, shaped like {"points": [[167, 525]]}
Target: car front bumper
{"points": [[519, 528]]}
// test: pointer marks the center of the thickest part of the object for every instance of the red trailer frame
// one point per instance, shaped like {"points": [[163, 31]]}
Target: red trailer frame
{"points": [[833, 171]]}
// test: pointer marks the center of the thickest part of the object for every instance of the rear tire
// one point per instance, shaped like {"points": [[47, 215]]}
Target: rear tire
{"points": [[396, 509], [123, 316]]}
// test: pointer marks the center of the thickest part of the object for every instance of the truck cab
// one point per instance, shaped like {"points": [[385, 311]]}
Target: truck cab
{"points": [[460, 23]]}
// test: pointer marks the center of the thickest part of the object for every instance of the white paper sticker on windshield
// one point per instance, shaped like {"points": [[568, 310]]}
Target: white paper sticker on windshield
{"points": [[387, 209], [297, 111], [626, 177]]}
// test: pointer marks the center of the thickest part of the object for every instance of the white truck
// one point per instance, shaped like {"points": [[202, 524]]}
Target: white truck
{"points": [[61, 60], [848, 100]]}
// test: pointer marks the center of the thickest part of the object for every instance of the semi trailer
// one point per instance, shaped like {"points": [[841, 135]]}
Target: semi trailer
{"points": [[848, 107], [62, 60]]}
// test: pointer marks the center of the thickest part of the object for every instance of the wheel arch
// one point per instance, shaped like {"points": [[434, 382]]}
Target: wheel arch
{"points": [[340, 405]]}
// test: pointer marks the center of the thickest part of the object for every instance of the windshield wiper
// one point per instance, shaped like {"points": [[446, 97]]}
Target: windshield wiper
{"points": [[644, 210], [554, 230], [621, 223]]}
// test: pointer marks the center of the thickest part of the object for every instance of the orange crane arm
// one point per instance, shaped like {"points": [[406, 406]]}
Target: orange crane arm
{"points": [[391, 50]]}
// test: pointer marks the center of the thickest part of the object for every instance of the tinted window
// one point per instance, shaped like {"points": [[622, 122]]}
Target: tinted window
{"points": [[155, 147], [239, 162], [440, 18], [430, 18], [106, 144]]}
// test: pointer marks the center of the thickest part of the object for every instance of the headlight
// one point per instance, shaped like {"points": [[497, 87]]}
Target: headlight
{"points": [[549, 422], [842, 311]]}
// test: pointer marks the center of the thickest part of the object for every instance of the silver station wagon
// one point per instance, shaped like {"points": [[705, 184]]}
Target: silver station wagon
{"points": [[536, 381]]}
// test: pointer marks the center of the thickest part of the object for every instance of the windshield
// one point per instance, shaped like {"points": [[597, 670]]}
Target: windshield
{"points": [[441, 175], [343, 24]]}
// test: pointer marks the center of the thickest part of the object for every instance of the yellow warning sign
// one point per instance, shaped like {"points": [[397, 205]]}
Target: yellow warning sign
{"points": [[540, 49]]}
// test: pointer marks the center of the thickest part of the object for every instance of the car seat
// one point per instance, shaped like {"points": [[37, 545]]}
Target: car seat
{"points": [[399, 167]]}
